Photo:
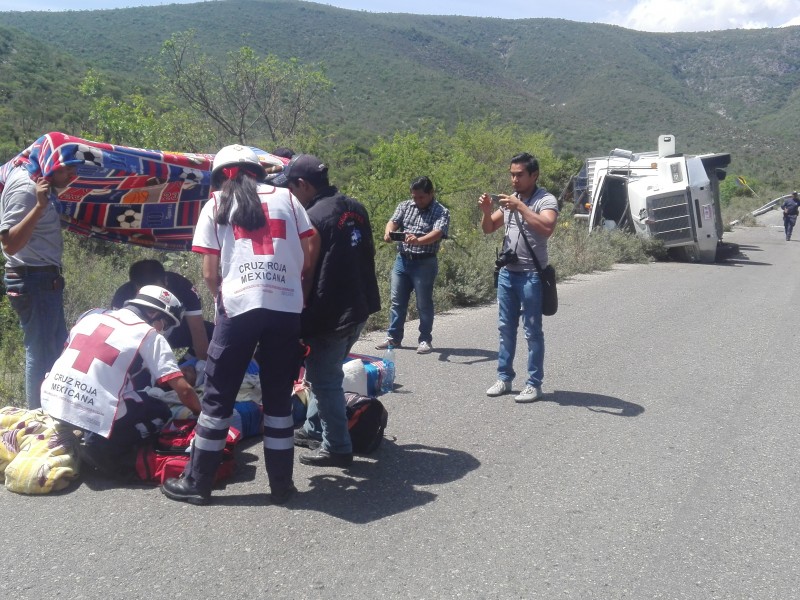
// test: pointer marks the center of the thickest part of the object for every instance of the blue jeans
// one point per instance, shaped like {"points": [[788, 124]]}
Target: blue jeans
{"points": [[417, 275], [326, 417], [520, 293], [38, 300]]}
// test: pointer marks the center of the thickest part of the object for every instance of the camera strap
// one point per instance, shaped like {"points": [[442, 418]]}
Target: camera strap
{"points": [[522, 228], [506, 236], [524, 236]]}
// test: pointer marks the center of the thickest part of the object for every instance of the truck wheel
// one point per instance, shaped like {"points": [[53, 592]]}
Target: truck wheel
{"points": [[683, 254]]}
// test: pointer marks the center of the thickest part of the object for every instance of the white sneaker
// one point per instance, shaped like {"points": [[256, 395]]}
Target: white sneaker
{"points": [[499, 387], [529, 394], [424, 348]]}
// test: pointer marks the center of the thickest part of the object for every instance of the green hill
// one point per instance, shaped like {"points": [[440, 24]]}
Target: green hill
{"points": [[36, 84], [592, 86]]}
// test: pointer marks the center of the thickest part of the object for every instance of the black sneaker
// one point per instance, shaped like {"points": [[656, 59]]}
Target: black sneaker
{"points": [[324, 458], [302, 438]]}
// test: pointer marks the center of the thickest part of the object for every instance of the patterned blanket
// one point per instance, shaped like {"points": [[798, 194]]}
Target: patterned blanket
{"points": [[146, 197]]}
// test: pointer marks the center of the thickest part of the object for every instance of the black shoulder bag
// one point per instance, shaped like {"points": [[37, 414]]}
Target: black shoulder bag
{"points": [[547, 276]]}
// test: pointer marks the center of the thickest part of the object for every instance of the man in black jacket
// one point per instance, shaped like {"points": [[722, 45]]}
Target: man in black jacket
{"points": [[340, 297]]}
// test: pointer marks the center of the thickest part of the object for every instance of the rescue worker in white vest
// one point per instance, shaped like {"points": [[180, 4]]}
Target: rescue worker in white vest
{"points": [[100, 381], [254, 239]]}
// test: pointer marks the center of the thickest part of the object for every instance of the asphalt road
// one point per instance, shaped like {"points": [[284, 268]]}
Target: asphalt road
{"points": [[662, 463]]}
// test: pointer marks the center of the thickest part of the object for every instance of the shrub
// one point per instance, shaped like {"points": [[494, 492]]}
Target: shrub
{"points": [[574, 250], [12, 357]]}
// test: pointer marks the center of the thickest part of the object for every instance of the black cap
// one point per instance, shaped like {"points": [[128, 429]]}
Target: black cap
{"points": [[302, 166], [305, 166]]}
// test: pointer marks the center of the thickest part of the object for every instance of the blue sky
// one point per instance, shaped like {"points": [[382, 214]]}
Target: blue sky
{"points": [[644, 15]]}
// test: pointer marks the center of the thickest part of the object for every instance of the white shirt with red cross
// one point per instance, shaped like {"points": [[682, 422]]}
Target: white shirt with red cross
{"points": [[87, 383], [262, 268]]}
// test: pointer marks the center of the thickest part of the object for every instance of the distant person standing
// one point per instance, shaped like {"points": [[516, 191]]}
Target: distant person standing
{"points": [[254, 239], [791, 208], [343, 293], [421, 223], [33, 247], [529, 216]]}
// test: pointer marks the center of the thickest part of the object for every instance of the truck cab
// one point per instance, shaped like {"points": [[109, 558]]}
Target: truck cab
{"points": [[661, 195]]}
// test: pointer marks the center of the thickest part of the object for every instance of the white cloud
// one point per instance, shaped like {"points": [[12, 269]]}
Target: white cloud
{"points": [[707, 15], [644, 15]]}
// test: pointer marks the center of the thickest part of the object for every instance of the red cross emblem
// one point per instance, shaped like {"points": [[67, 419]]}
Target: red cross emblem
{"points": [[92, 347], [262, 238]]}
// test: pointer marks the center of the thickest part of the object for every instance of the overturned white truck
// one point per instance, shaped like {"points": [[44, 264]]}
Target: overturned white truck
{"points": [[662, 195]]}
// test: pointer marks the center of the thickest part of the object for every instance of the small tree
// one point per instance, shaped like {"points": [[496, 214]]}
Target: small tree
{"points": [[139, 119], [245, 96]]}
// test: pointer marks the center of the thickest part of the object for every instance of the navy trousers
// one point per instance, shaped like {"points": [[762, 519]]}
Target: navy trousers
{"points": [[788, 225], [274, 337], [143, 419]]}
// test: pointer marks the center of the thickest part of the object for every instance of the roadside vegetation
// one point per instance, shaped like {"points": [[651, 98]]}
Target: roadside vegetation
{"points": [[463, 159], [463, 164], [739, 201]]}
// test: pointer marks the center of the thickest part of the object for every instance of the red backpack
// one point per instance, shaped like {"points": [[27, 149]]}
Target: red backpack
{"points": [[168, 457]]}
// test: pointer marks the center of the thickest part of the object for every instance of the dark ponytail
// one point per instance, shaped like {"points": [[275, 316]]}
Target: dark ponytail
{"points": [[248, 214]]}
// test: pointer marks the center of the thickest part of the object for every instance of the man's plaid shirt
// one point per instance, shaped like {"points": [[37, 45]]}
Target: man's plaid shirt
{"points": [[421, 222]]}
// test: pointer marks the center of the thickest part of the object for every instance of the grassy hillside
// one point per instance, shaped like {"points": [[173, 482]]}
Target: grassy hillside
{"points": [[37, 86], [593, 86]]}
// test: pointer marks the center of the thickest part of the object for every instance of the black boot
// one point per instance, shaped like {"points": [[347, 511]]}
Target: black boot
{"points": [[281, 494], [182, 490]]}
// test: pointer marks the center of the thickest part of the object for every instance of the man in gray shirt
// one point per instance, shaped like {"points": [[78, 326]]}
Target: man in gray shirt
{"points": [[529, 216], [30, 234]]}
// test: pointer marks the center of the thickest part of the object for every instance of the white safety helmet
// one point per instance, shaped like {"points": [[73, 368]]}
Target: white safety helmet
{"points": [[236, 156], [160, 299]]}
